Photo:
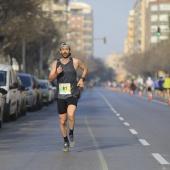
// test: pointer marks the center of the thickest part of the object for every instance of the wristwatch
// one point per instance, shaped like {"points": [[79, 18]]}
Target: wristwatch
{"points": [[83, 78]]}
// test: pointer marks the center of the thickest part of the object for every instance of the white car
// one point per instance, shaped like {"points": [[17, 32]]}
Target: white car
{"points": [[8, 81], [2, 104]]}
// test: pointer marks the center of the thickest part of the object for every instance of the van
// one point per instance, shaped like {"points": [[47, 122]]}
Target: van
{"points": [[8, 81]]}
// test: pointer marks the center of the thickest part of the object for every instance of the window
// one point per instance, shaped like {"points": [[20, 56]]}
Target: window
{"points": [[154, 7], [2, 78], [87, 48], [78, 48], [163, 17], [154, 28], [78, 41], [154, 18], [164, 37], [164, 7], [154, 39]]}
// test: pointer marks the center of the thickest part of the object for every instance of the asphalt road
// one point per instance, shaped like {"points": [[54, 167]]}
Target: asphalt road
{"points": [[114, 131]]}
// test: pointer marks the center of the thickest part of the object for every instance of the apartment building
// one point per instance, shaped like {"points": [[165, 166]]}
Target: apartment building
{"points": [[158, 16], [114, 61], [58, 12], [140, 26], [80, 21], [129, 41]]}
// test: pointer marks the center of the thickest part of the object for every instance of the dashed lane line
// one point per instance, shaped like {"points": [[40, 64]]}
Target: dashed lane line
{"points": [[157, 156], [144, 142], [133, 131], [126, 124], [121, 118], [160, 159]]}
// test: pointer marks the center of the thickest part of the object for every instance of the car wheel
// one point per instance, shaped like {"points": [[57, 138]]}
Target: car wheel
{"points": [[7, 112], [15, 115]]}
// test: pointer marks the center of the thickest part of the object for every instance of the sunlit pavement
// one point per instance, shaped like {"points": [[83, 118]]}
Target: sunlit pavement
{"points": [[114, 131]]}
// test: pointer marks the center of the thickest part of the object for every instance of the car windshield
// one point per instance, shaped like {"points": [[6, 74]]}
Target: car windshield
{"points": [[2, 78], [25, 80], [43, 85]]}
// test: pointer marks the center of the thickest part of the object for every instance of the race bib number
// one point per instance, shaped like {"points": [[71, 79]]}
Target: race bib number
{"points": [[64, 88]]}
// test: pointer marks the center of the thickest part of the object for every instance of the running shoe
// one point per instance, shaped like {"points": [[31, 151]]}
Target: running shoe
{"points": [[72, 142], [66, 147]]}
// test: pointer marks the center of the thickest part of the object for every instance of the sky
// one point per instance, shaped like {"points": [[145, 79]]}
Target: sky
{"points": [[110, 21]]}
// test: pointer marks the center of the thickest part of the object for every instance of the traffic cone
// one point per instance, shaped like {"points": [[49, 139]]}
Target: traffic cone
{"points": [[131, 92], [150, 96], [140, 94], [169, 101]]}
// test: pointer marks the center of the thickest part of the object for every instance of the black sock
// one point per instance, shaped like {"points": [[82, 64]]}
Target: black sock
{"points": [[65, 139], [71, 132]]}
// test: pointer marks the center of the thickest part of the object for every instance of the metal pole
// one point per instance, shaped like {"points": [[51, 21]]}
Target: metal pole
{"points": [[41, 60], [23, 54]]}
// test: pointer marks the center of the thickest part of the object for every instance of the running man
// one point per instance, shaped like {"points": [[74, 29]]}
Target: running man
{"points": [[64, 70]]}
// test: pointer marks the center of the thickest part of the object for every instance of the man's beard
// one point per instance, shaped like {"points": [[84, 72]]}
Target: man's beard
{"points": [[65, 56]]}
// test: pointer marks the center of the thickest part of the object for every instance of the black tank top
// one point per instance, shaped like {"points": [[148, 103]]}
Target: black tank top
{"points": [[66, 80]]}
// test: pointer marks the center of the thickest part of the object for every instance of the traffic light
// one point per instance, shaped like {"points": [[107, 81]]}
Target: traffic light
{"points": [[158, 32], [104, 40]]}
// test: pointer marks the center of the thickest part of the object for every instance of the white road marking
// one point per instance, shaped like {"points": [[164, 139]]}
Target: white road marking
{"points": [[118, 114], [100, 154], [133, 131], [160, 159], [113, 109], [144, 142], [126, 124], [121, 118]]}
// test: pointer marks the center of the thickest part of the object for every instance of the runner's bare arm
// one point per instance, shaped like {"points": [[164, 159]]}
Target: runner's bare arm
{"points": [[53, 72], [83, 67], [85, 71]]}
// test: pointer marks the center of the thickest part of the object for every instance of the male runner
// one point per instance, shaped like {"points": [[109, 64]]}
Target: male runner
{"points": [[64, 70]]}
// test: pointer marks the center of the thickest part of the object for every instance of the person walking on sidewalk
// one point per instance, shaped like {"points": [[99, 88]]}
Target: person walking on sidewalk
{"points": [[68, 89]]}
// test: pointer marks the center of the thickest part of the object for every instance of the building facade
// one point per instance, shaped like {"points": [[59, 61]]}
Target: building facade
{"points": [[80, 21], [59, 14], [158, 17], [129, 41], [140, 26]]}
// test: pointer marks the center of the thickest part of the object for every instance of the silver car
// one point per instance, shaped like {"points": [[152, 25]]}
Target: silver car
{"points": [[31, 92]]}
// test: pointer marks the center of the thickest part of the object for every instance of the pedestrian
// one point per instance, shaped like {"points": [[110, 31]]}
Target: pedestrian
{"points": [[161, 88], [166, 86], [133, 86], [68, 89], [149, 85]]}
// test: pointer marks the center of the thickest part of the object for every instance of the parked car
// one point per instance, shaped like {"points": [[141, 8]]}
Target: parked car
{"points": [[31, 92], [39, 92], [2, 105], [45, 90], [21, 98], [8, 81], [52, 91]]}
